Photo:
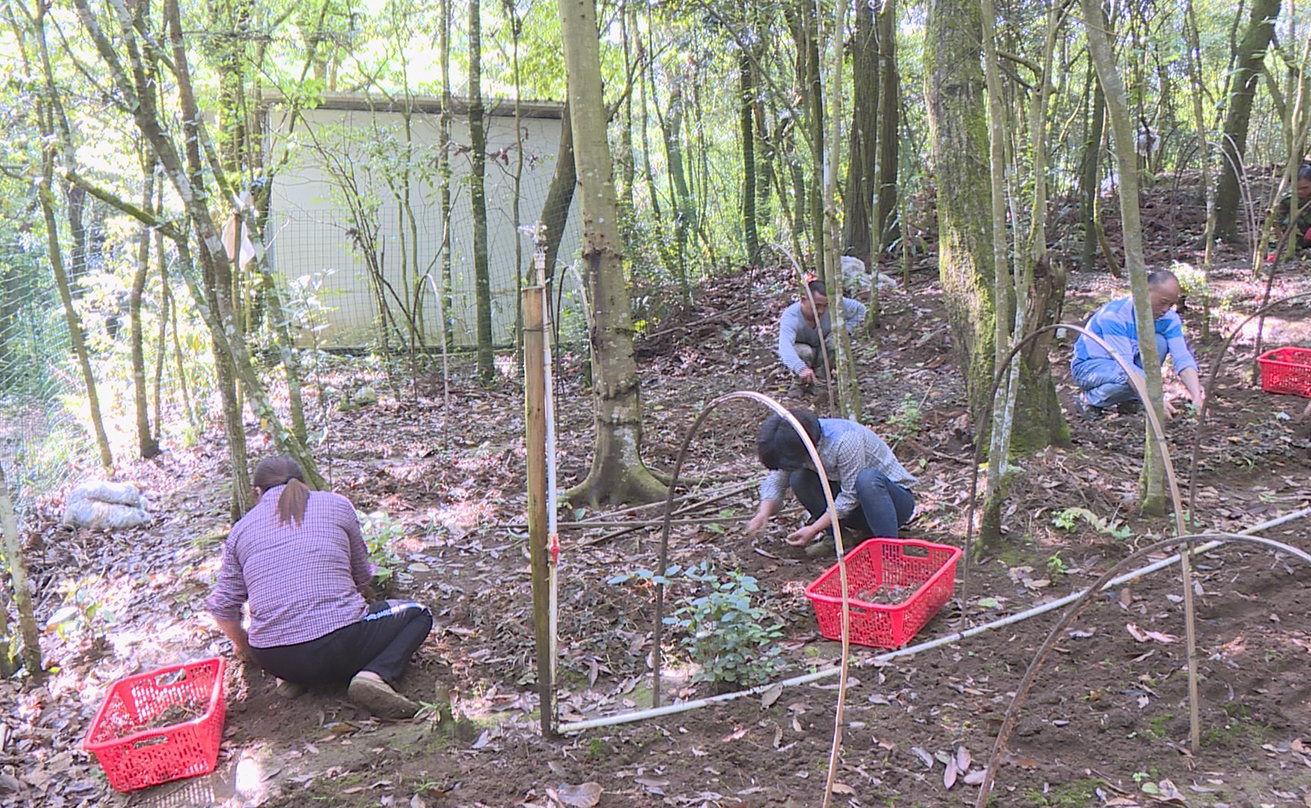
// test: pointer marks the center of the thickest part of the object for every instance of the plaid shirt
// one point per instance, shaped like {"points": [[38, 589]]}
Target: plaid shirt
{"points": [[300, 581], [847, 448]]}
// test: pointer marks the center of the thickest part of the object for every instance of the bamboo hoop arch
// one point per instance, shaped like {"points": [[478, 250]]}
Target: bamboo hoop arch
{"points": [[778, 409], [1158, 435], [1021, 693]]}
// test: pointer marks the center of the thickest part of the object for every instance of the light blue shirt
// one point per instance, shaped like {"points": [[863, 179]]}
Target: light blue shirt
{"points": [[1115, 323]]}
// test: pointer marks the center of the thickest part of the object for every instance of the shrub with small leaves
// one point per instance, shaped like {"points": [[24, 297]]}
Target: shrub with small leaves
{"points": [[379, 532], [731, 638]]}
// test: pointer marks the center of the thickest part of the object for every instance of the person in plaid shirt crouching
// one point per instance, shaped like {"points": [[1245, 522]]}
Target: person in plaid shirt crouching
{"points": [[298, 559]]}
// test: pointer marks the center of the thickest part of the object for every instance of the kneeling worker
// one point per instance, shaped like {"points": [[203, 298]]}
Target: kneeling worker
{"points": [[1102, 382], [870, 488], [802, 328], [299, 560]]}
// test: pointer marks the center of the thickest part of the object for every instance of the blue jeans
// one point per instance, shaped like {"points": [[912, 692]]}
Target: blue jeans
{"points": [[884, 505], [1104, 383]]}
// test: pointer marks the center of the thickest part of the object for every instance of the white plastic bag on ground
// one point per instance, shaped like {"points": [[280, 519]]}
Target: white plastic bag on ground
{"points": [[103, 505]]}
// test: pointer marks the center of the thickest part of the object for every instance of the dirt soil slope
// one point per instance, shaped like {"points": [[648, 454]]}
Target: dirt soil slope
{"points": [[1105, 723]]}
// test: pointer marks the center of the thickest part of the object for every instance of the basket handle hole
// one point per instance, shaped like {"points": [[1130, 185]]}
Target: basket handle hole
{"points": [[155, 741], [171, 677], [915, 551]]}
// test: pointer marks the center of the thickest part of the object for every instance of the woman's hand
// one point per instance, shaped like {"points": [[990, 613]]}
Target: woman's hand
{"points": [[802, 536]]}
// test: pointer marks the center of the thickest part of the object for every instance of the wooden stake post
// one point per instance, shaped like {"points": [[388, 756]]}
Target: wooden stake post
{"points": [[535, 420]]}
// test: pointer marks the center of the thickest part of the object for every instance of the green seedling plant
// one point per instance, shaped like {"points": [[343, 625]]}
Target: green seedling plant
{"points": [[907, 422], [1068, 520], [82, 615], [1056, 567], [730, 637], [380, 531]]}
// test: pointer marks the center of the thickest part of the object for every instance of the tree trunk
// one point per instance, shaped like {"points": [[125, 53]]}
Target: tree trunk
{"points": [[815, 129], [617, 473], [444, 172], [1242, 91], [21, 588], [146, 442], [1090, 175], [889, 140], [478, 196], [55, 133], [1152, 482], [858, 196], [848, 386], [959, 130], [559, 195], [1038, 420], [71, 316], [216, 271], [673, 137], [746, 107]]}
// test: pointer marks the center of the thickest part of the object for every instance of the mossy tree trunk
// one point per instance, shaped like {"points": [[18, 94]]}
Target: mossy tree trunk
{"points": [[746, 115], [858, 196], [889, 141], [959, 133], [478, 196], [1090, 170], [617, 473], [1242, 91]]}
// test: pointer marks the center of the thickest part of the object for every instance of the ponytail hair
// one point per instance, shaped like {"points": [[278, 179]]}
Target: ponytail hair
{"points": [[282, 470]]}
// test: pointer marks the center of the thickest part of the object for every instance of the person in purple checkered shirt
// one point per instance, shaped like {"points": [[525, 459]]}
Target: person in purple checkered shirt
{"points": [[299, 561]]}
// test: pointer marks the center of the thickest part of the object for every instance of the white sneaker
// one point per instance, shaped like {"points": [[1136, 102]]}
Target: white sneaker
{"points": [[368, 690]]}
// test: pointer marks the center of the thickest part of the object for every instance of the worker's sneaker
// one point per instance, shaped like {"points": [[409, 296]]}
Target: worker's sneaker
{"points": [[289, 690], [1088, 411], [822, 547], [368, 690]]}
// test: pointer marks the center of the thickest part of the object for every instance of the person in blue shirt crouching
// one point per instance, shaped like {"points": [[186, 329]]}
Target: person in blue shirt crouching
{"points": [[1102, 382]]}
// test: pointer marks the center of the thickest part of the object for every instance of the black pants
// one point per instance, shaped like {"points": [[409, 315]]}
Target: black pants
{"points": [[382, 643]]}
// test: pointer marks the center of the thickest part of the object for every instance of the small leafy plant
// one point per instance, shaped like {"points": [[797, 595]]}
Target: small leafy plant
{"points": [[379, 532], [906, 423], [1068, 520], [82, 615], [1056, 567], [726, 634]]}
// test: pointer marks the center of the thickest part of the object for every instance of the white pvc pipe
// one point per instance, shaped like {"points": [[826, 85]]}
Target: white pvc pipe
{"points": [[685, 706]]}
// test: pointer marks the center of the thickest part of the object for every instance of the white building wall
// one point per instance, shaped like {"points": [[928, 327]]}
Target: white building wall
{"points": [[311, 228]]}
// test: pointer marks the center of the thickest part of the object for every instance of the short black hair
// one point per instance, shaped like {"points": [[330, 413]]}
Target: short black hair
{"points": [[1157, 277], [817, 287], [1304, 172], [780, 447]]}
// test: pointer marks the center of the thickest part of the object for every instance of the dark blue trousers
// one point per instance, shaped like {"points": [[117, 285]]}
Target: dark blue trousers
{"points": [[884, 505]]}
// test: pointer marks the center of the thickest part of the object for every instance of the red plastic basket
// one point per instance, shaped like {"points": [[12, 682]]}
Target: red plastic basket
{"points": [[931, 568], [1286, 370], [137, 759]]}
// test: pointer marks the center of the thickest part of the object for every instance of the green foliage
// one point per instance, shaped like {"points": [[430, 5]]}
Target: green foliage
{"points": [[1056, 566], [906, 422], [1192, 280], [380, 531], [1068, 520], [82, 615], [726, 633]]}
